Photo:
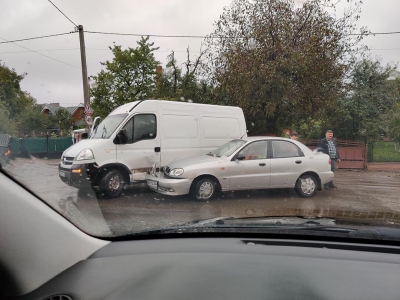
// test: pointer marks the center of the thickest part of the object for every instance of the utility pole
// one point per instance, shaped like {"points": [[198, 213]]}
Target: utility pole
{"points": [[86, 100]]}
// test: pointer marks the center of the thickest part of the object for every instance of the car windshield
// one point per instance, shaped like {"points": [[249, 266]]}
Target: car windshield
{"points": [[107, 127], [227, 149], [308, 90]]}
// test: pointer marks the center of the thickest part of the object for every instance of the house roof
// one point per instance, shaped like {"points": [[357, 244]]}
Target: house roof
{"points": [[53, 109]]}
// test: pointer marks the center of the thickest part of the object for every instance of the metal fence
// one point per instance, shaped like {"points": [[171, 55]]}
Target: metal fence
{"points": [[39, 145], [383, 151], [352, 153]]}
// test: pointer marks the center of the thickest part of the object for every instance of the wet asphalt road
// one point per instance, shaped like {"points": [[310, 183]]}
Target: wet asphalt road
{"points": [[372, 195]]}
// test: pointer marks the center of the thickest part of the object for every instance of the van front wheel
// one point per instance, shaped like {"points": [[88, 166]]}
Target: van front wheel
{"points": [[112, 183]]}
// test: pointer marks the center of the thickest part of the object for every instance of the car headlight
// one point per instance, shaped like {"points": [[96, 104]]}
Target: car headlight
{"points": [[85, 154], [176, 172]]}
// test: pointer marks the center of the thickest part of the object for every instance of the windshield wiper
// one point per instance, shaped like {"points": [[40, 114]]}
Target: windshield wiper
{"points": [[305, 226]]}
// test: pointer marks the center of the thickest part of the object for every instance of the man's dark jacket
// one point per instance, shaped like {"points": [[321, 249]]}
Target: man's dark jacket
{"points": [[323, 147]]}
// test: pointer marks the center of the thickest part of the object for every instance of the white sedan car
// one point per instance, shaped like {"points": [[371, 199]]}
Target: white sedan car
{"points": [[244, 164]]}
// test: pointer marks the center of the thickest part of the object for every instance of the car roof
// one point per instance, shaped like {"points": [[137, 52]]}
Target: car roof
{"points": [[267, 138], [256, 138]]}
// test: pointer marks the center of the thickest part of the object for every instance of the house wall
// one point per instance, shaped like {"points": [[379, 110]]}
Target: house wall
{"points": [[78, 115]]}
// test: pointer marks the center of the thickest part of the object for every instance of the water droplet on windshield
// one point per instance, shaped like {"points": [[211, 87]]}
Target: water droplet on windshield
{"points": [[250, 211]]}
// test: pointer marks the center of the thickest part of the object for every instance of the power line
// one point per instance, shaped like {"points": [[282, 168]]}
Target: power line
{"points": [[94, 49], [376, 33], [43, 54], [164, 36], [41, 50], [38, 37], [213, 37], [63, 13], [152, 35], [392, 49]]}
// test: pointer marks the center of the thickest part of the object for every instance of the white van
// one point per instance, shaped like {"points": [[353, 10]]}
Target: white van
{"points": [[137, 135]]}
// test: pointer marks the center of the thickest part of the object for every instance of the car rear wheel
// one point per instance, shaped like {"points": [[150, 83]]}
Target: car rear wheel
{"points": [[205, 189], [306, 186], [112, 183]]}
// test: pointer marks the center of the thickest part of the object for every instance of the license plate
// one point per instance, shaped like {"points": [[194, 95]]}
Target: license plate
{"points": [[62, 174], [153, 184]]}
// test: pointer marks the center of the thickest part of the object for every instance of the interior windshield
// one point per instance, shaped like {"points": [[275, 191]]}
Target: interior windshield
{"points": [[107, 127], [227, 149], [308, 90]]}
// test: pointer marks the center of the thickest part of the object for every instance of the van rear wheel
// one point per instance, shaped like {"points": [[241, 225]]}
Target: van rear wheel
{"points": [[112, 183]]}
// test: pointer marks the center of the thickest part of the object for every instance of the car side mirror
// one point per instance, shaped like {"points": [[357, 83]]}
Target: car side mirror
{"points": [[240, 156], [121, 137]]}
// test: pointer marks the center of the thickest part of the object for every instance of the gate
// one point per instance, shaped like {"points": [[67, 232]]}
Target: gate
{"points": [[352, 154]]}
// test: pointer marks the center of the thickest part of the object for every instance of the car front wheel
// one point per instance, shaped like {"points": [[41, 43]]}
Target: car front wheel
{"points": [[112, 183], [306, 186], [205, 189]]}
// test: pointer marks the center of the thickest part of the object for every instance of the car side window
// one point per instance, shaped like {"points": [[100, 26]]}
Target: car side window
{"points": [[256, 150], [281, 149], [141, 127]]}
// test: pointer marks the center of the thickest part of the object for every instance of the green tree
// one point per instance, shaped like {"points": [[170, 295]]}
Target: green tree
{"points": [[14, 99], [62, 120], [7, 125], [370, 105], [279, 62], [176, 83], [130, 76], [394, 124], [32, 122]]}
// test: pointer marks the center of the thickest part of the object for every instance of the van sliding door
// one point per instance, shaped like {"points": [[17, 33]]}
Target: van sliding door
{"points": [[179, 137]]}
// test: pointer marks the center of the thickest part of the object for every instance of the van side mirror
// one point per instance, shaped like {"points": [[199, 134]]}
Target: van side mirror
{"points": [[121, 137]]}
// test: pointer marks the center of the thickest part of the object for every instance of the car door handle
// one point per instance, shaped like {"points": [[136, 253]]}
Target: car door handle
{"points": [[262, 164], [298, 161], [157, 149]]}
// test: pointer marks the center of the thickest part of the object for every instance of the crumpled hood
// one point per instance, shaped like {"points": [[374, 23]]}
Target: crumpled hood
{"points": [[195, 160], [81, 145]]}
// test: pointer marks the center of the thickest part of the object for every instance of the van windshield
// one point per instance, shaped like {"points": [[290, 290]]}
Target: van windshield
{"points": [[107, 127], [228, 148]]}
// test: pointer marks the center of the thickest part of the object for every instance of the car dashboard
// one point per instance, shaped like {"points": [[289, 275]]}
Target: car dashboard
{"points": [[230, 268]]}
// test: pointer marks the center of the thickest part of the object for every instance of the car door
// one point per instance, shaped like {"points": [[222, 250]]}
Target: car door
{"points": [[250, 167], [287, 163], [142, 149]]}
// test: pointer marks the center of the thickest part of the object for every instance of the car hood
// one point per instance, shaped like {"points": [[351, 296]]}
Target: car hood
{"points": [[195, 160], [81, 145]]}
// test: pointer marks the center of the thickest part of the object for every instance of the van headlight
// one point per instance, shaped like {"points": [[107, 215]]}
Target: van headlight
{"points": [[176, 172], [85, 154]]}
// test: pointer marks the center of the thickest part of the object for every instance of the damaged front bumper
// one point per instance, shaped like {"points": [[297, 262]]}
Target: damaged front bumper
{"points": [[168, 186]]}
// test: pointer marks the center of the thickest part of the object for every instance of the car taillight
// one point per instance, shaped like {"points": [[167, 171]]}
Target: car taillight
{"points": [[330, 161]]}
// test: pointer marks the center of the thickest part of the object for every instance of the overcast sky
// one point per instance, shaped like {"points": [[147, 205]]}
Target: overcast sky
{"points": [[60, 79]]}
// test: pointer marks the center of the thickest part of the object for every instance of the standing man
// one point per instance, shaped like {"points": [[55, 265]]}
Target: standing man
{"points": [[294, 136], [327, 146]]}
